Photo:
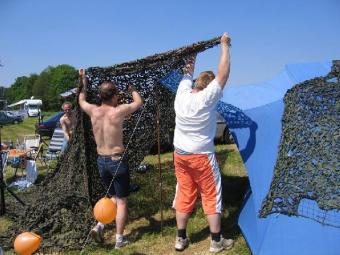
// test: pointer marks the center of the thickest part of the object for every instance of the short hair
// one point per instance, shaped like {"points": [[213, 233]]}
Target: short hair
{"points": [[204, 79], [107, 90], [66, 103]]}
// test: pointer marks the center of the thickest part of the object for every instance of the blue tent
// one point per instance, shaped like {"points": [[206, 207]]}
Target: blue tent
{"points": [[262, 105]]}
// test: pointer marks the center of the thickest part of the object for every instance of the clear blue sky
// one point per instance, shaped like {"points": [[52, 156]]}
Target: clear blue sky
{"points": [[265, 34]]}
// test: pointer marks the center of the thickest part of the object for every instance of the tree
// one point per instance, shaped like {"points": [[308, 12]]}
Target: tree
{"points": [[46, 86], [21, 88], [64, 77], [41, 86]]}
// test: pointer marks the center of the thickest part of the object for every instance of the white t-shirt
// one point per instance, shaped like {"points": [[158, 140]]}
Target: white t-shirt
{"points": [[195, 116]]}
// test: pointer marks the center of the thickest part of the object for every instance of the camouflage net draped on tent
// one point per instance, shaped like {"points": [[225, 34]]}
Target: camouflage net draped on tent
{"points": [[308, 164], [60, 209]]}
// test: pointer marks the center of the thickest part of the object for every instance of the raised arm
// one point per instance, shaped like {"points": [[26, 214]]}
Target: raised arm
{"points": [[136, 103], [224, 65], [188, 71], [189, 65], [85, 106]]}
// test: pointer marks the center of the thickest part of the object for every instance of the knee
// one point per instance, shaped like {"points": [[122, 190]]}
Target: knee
{"points": [[121, 201]]}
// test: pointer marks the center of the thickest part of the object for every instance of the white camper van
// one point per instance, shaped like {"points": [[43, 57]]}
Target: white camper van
{"points": [[30, 106], [33, 107]]}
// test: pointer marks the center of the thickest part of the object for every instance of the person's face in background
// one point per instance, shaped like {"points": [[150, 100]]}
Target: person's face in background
{"points": [[67, 108]]}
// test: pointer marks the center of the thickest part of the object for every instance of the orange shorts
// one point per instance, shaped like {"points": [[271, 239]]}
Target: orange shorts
{"points": [[197, 172]]}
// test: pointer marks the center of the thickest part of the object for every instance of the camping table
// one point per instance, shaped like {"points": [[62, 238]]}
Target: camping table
{"points": [[21, 155]]}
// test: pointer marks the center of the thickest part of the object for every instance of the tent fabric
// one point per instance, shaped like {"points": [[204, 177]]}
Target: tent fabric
{"points": [[68, 93], [67, 195], [276, 234], [307, 165]]}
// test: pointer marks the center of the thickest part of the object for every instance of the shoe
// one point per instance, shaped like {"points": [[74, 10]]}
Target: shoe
{"points": [[97, 234], [122, 243], [181, 243], [223, 244], [134, 187], [142, 168]]}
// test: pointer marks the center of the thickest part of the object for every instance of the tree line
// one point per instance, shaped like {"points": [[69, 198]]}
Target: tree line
{"points": [[45, 86]]}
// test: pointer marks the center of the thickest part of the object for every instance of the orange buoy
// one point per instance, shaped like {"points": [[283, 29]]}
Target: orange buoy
{"points": [[105, 210], [26, 243]]}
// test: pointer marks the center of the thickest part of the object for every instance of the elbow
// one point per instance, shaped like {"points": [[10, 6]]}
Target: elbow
{"points": [[140, 104], [222, 77], [81, 104], [222, 80], [81, 99]]}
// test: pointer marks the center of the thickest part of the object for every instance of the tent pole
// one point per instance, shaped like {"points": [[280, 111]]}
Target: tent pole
{"points": [[159, 163], [2, 188]]}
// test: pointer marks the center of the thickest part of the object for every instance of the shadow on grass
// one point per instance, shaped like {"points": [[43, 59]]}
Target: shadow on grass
{"points": [[223, 155], [154, 226], [233, 191], [147, 203]]}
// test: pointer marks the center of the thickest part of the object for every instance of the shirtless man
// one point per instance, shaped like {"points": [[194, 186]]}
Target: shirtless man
{"points": [[107, 123], [67, 122]]}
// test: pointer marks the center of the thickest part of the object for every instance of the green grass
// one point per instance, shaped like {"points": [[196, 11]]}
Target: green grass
{"points": [[144, 225], [12, 132]]}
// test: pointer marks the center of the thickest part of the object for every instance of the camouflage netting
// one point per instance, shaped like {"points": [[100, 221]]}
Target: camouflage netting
{"points": [[60, 209], [308, 165]]}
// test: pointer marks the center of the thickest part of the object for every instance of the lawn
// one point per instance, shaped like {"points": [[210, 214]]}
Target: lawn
{"points": [[12, 132], [144, 225]]}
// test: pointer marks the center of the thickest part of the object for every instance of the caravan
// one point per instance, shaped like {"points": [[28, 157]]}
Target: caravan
{"points": [[31, 107]]}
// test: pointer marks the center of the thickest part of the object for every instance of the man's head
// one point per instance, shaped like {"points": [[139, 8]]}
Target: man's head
{"points": [[67, 107], [107, 90], [204, 79]]}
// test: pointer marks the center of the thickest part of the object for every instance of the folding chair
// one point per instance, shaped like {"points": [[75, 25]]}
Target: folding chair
{"points": [[4, 156], [31, 144], [54, 148]]}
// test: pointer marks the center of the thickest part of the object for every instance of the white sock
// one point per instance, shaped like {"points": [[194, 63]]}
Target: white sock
{"points": [[119, 238], [100, 226]]}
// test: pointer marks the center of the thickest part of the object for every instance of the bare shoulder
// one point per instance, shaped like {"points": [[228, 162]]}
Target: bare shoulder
{"points": [[120, 110], [121, 107], [93, 108], [62, 119]]}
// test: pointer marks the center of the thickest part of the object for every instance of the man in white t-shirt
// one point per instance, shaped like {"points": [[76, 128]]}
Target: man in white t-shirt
{"points": [[195, 162]]}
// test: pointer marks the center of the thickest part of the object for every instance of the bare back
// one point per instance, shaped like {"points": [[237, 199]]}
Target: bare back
{"points": [[107, 119], [107, 124]]}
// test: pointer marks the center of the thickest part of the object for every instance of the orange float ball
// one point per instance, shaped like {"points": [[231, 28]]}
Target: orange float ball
{"points": [[26, 243], [105, 210]]}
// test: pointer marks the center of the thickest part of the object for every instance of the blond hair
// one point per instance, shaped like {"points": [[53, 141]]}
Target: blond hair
{"points": [[204, 79]]}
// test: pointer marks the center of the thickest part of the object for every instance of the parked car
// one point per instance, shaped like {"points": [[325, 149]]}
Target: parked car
{"points": [[15, 114], [46, 128], [9, 119], [222, 131], [21, 113], [222, 135]]}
